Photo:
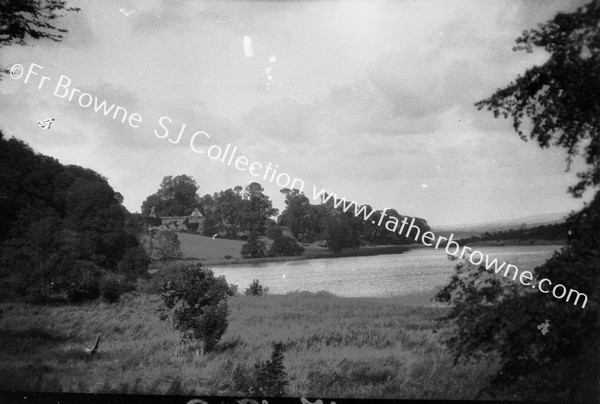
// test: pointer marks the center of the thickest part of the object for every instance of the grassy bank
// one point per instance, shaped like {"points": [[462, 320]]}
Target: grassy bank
{"points": [[335, 347], [211, 251]]}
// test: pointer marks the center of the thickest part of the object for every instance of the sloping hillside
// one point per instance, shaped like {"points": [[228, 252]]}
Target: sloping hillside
{"points": [[207, 248]]}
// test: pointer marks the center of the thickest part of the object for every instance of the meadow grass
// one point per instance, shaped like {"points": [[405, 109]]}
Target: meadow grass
{"points": [[334, 347]]}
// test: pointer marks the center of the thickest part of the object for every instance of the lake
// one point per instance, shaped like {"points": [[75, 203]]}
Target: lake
{"points": [[415, 274]]}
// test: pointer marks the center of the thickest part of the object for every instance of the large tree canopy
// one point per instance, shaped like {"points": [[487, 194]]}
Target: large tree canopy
{"points": [[58, 223], [560, 99], [177, 196]]}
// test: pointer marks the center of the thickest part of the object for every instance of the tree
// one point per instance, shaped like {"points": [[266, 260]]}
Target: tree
{"points": [[561, 98], [19, 18], [176, 196], [227, 210], [57, 220], [254, 248], [271, 377], [196, 301], [285, 246], [295, 212], [258, 208]]}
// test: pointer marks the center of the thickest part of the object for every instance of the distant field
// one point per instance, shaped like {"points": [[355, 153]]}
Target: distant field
{"points": [[335, 347]]}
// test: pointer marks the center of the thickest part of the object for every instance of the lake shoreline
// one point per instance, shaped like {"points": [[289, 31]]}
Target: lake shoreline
{"points": [[314, 253]]}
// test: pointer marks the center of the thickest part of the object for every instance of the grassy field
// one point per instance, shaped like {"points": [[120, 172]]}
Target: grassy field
{"points": [[335, 347], [211, 251]]}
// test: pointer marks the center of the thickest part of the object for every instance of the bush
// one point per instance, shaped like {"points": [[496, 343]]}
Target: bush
{"points": [[254, 248], [274, 232], [113, 286], [196, 302], [285, 246], [62, 278], [72, 280], [256, 289], [134, 263], [233, 289]]}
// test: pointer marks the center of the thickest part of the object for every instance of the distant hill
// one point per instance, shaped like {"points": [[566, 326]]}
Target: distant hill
{"points": [[555, 233], [462, 231]]}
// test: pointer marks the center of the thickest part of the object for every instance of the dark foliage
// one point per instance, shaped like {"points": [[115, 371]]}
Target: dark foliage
{"points": [[560, 98], [113, 286], [231, 212], [271, 377], [274, 232], [134, 263], [256, 289], [285, 246], [550, 232], [254, 248], [62, 224], [177, 196], [196, 301], [233, 290], [210, 227], [340, 229]]}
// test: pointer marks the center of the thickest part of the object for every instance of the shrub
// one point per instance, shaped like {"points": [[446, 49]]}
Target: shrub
{"points": [[73, 280], [254, 248], [113, 286], [285, 246], [271, 377], [134, 263], [256, 289], [233, 289], [196, 302]]}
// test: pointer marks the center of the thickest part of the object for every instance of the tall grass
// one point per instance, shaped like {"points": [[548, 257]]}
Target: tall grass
{"points": [[334, 347]]}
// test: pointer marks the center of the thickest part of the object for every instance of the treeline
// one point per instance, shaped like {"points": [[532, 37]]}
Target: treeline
{"points": [[65, 233], [232, 213], [246, 213], [340, 229], [549, 232]]}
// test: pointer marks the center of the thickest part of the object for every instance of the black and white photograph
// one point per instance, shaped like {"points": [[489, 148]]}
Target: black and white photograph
{"points": [[299, 201]]}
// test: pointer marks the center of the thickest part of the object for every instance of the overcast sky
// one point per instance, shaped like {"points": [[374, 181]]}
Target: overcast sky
{"points": [[372, 100]]}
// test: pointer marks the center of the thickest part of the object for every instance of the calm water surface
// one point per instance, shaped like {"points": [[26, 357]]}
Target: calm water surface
{"points": [[422, 270]]}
